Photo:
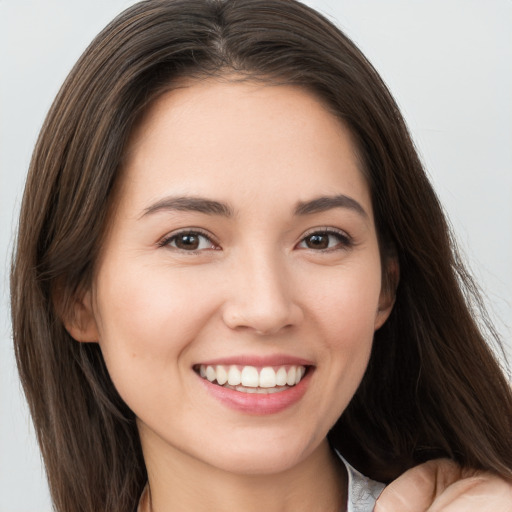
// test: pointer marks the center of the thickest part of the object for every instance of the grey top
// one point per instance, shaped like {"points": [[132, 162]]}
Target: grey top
{"points": [[362, 491]]}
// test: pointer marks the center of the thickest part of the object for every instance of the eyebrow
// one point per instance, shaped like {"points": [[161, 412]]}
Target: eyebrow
{"points": [[194, 204], [212, 207], [324, 203]]}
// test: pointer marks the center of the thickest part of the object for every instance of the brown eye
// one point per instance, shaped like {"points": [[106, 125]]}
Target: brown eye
{"points": [[325, 240], [317, 241], [189, 241]]}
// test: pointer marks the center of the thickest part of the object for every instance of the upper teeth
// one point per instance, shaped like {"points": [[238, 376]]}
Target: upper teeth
{"points": [[250, 376]]}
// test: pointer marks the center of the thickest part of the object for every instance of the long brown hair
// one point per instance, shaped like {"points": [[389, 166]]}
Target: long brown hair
{"points": [[432, 388]]}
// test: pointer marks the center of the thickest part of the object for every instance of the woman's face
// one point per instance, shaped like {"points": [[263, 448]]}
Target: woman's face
{"points": [[243, 248]]}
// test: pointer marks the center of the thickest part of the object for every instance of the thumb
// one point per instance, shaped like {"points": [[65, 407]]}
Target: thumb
{"points": [[417, 488]]}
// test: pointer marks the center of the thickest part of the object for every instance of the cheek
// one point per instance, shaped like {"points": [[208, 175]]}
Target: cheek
{"points": [[148, 320], [346, 303], [345, 308], [148, 317]]}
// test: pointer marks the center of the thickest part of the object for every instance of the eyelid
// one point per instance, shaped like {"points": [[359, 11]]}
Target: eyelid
{"points": [[326, 229]]}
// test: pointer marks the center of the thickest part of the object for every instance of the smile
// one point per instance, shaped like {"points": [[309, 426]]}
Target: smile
{"points": [[250, 379]]}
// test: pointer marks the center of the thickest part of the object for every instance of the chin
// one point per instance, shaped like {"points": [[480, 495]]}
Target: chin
{"points": [[261, 457]]}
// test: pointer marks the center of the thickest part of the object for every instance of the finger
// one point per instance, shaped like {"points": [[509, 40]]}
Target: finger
{"points": [[417, 488], [483, 493]]}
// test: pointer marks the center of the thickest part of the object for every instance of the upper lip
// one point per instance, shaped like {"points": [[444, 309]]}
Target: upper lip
{"points": [[258, 361]]}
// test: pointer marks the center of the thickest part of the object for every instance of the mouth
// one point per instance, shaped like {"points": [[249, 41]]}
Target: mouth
{"points": [[253, 379]]}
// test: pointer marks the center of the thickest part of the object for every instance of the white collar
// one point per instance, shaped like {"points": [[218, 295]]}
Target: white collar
{"points": [[362, 491]]}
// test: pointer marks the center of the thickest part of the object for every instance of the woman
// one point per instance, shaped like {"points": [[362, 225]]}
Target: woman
{"points": [[224, 199]]}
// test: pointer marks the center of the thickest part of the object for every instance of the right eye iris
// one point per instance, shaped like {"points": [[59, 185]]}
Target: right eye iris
{"points": [[187, 241]]}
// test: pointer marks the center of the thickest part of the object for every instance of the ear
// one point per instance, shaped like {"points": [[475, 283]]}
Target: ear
{"points": [[390, 279], [79, 319]]}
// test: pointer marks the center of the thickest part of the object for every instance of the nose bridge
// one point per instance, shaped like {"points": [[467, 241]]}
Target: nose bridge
{"points": [[261, 296]]}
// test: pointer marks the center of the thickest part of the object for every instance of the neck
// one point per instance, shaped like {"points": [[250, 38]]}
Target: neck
{"points": [[319, 482]]}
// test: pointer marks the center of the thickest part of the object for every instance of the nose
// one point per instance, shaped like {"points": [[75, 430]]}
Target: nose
{"points": [[261, 297]]}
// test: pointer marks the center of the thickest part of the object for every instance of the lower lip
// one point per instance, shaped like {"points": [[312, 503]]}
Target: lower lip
{"points": [[259, 403]]}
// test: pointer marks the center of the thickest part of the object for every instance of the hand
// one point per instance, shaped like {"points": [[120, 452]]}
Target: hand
{"points": [[443, 486]]}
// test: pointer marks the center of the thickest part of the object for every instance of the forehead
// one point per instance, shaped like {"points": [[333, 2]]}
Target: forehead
{"points": [[201, 136]]}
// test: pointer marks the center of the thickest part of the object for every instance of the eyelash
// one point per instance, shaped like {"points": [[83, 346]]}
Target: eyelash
{"points": [[344, 241]]}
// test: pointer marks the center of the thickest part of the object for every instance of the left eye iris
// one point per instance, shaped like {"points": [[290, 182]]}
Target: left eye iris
{"points": [[322, 240], [317, 241]]}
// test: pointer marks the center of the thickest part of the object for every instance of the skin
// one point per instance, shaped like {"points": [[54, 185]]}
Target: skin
{"points": [[255, 285], [252, 288], [443, 486]]}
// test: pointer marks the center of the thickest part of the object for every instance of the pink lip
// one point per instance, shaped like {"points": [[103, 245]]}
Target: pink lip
{"points": [[259, 361], [259, 404]]}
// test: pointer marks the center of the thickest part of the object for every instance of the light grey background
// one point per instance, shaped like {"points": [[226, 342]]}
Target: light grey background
{"points": [[448, 63]]}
